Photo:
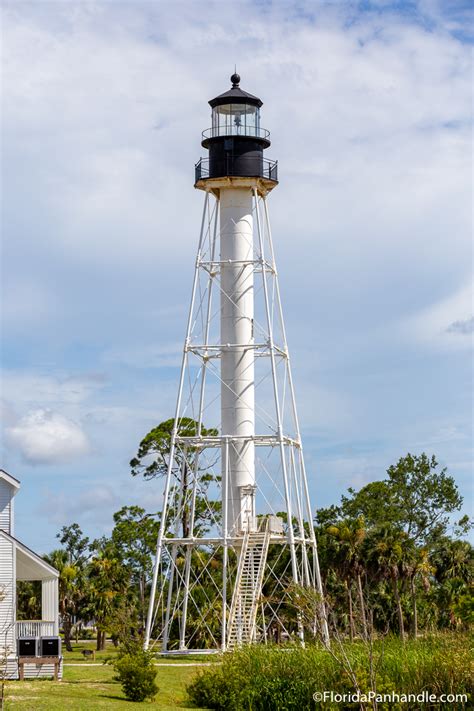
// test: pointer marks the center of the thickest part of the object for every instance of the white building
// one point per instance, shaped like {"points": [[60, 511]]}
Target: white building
{"points": [[18, 562]]}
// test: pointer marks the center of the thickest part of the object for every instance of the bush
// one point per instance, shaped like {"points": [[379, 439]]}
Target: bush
{"points": [[136, 673], [259, 678], [85, 633]]}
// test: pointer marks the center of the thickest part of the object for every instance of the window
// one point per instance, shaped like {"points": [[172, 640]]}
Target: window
{"points": [[235, 120]]}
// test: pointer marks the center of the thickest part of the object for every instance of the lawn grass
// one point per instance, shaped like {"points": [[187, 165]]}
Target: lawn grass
{"points": [[256, 679], [85, 687], [76, 655]]}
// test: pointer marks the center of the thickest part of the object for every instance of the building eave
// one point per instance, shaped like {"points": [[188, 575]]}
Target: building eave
{"points": [[32, 556], [15, 483]]}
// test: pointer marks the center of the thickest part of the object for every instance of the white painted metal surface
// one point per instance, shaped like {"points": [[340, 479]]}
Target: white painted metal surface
{"points": [[248, 587], [237, 356], [235, 374]]}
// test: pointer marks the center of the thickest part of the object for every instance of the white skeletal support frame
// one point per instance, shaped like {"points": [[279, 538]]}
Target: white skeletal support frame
{"points": [[236, 531]]}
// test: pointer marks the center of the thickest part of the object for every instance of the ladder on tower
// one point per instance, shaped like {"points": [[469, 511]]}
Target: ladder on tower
{"points": [[241, 628]]}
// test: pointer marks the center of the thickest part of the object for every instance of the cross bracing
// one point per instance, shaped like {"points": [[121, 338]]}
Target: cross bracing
{"points": [[207, 519]]}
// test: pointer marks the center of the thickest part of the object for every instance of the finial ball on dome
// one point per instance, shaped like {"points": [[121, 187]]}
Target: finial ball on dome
{"points": [[235, 79]]}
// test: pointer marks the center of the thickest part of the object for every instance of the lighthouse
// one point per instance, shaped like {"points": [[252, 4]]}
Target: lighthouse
{"points": [[236, 144], [236, 532]]}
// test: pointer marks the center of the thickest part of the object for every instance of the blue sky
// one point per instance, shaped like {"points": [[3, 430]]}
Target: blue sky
{"points": [[103, 104]]}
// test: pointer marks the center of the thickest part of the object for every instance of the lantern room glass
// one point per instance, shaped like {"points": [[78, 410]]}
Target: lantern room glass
{"points": [[236, 120]]}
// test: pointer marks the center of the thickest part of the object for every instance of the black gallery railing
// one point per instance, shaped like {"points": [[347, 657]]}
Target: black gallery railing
{"points": [[254, 168], [236, 130]]}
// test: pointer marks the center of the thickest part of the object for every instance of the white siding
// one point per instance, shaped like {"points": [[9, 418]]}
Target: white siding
{"points": [[12, 668], [6, 506], [7, 595]]}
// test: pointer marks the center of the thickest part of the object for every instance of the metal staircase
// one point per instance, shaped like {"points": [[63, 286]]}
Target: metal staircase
{"points": [[248, 587]]}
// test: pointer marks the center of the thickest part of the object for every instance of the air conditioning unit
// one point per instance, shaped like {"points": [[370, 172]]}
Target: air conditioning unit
{"points": [[27, 646], [50, 647]]}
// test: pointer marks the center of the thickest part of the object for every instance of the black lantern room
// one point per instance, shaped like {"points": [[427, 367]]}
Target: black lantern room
{"points": [[236, 140]]}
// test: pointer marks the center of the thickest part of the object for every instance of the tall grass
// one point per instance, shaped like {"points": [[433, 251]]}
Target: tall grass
{"points": [[260, 678]]}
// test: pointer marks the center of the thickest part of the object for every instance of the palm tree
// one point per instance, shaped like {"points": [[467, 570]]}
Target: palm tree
{"points": [[418, 567], [453, 562], [69, 591], [453, 559], [388, 553], [350, 534], [108, 584], [28, 595]]}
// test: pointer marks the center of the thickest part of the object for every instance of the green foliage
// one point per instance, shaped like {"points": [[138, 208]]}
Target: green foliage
{"points": [[106, 581], [261, 678], [388, 544], [108, 584], [75, 544], [156, 444], [93, 688], [387, 561], [70, 563], [153, 459], [453, 559], [136, 672], [415, 497], [28, 600], [84, 633], [134, 539], [463, 609]]}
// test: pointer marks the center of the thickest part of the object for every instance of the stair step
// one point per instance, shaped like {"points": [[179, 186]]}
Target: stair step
{"points": [[248, 587]]}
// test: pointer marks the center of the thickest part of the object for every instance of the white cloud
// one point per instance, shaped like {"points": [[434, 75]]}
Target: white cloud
{"points": [[462, 326], [97, 503], [146, 356], [369, 112], [441, 322], [35, 389], [46, 437], [61, 507]]}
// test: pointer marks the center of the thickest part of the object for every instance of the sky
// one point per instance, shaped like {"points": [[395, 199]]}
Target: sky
{"points": [[369, 108]]}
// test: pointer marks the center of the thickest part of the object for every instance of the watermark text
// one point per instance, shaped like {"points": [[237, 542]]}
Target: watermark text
{"points": [[393, 697]]}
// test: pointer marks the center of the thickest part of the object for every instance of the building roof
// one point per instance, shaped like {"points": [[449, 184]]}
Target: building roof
{"points": [[235, 95], [10, 479], [29, 565]]}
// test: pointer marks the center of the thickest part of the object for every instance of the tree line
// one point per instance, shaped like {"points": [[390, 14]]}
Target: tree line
{"points": [[103, 581], [391, 557]]}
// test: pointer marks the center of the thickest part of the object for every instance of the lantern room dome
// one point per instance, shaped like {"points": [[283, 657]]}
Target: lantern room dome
{"points": [[236, 95]]}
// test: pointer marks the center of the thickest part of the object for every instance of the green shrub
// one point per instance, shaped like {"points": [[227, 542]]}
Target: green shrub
{"points": [[259, 678], [85, 633], [136, 673]]}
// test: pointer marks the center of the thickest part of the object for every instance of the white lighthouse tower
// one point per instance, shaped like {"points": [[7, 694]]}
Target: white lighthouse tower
{"points": [[236, 529]]}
